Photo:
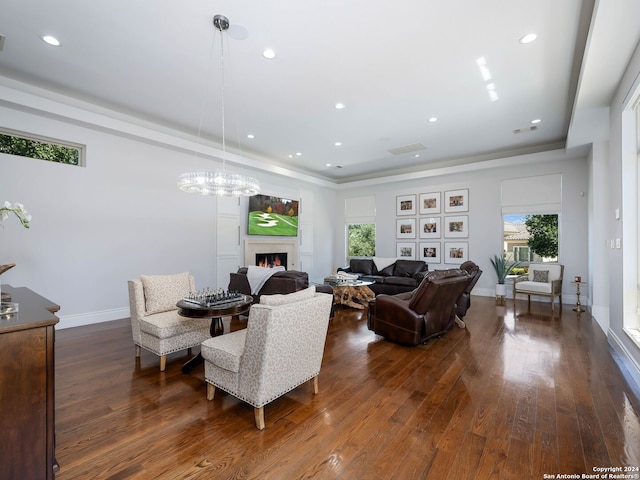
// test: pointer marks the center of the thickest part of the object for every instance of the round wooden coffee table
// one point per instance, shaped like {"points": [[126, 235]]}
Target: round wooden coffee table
{"points": [[216, 312]]}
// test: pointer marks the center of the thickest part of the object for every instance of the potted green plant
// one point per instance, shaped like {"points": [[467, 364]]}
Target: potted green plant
{"points": [[502, 268]]}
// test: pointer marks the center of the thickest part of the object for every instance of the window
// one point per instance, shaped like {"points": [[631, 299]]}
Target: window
{"points": [[530, 237], [24, 145], [360, 226], [361, 240]]}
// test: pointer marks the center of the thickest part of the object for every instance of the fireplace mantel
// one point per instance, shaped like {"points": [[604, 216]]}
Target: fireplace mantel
{"points": [[253, 247]]}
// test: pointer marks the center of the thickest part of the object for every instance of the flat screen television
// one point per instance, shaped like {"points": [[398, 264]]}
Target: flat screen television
{"points": [[273, 216]]}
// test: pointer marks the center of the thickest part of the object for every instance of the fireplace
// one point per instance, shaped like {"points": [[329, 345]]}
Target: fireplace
{"points": [[254, 249], [271, 260]]}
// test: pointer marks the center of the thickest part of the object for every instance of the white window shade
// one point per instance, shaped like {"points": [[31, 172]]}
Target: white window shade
{"points": [[540, 194], [360, 209]]}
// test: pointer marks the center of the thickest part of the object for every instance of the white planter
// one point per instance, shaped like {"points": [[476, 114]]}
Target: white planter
{"points": [[501, 294]]}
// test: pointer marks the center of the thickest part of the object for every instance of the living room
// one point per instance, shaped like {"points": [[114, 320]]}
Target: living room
{"points": [[121, 215]]}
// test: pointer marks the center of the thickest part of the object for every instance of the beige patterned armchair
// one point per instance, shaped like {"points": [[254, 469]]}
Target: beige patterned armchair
{"points": [[281, 348], [155, 323]]}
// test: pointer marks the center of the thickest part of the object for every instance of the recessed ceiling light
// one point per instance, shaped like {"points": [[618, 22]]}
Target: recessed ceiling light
{"points": [[269, 53], [528, 38], [298, 154], [340, 106], [338, 144], [416, 155], [290, 156], [251, 136], [53, 41], [433, 119], [327, 165], [537, 120]]}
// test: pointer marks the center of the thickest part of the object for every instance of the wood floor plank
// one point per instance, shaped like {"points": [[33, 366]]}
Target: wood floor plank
{"points": [[517, 394]]}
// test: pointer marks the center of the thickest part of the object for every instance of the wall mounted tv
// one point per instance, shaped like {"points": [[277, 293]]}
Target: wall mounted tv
{"points": [[272, 216]]}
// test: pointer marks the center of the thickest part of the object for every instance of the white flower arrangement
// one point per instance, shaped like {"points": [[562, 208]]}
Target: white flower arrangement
{"points": [[17, 209]]}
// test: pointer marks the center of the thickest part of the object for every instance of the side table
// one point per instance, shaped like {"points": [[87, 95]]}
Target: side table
{"points": [[578, 308]]}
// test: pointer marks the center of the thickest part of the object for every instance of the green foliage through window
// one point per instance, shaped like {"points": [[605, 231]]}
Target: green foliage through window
{"points": [[361, 240], [543, 231], [42, 150]]}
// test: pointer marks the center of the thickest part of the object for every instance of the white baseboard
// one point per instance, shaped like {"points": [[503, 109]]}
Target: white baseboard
{"points": [[601, 316], [68, 321], [569, 299], [624, 356]]}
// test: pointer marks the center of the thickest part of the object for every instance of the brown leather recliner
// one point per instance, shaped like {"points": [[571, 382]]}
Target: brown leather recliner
{"points": [[414, 317], [464, 301]]}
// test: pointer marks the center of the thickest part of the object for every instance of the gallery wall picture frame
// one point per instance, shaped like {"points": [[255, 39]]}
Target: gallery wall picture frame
{"points": [[429, 227], [429, 252], [429, 203], [406, 250], [406, 228], [456, 227], [456, 252], [406, 205], [456, 201]]}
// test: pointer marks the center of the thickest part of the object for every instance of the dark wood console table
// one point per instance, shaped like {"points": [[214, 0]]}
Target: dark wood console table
{"points": [[27, 387]]}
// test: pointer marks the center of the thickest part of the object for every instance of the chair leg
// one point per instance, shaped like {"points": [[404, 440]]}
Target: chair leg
{"points": [[211, 391], [163, 362], [315, 385], [189, 351], [138, 351], [258, 413]]}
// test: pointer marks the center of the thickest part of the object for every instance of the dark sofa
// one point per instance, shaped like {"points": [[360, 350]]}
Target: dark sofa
{"points": [[287, 281], [399, 277]]}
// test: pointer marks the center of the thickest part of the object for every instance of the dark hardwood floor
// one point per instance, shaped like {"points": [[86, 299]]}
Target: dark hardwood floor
{"points": [[514, 396]]}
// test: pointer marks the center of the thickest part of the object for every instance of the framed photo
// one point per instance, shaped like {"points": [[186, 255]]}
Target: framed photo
{"points": [[429, 227], [406, 205], [456, 227], [429, 203], [456, 252], [430, 252], [406, 228], [406, 251], [456, 201]]}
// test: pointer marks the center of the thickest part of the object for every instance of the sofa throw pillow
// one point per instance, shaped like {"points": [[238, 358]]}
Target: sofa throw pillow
{"points": [[361, 265], [280, 299], [162, 292], [541, 276], [408, 268]]}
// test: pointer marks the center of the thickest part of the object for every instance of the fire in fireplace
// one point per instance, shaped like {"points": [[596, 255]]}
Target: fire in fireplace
{"points": [[271, 260]]}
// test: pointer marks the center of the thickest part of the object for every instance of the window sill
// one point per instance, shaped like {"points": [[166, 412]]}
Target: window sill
{"points": [[633, 334]]}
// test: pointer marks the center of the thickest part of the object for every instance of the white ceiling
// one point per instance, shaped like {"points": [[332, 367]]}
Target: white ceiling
{"points": [[393, 64]]}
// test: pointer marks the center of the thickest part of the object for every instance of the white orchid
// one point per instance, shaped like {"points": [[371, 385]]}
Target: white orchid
{"points": [[18, 210]]}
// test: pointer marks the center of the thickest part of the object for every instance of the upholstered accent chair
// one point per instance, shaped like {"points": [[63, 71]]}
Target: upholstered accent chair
{"points": [[281, 348], [543, 279], [155, 323], [412, 318]]}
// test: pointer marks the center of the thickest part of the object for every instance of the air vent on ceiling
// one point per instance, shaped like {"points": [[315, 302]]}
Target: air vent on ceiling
{"points": [[2, 37], [414, 147], [526, 129]]}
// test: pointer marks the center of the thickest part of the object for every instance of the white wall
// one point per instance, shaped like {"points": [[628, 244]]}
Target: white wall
{"points": [[623, 175], [485, 221], [121, 216]]}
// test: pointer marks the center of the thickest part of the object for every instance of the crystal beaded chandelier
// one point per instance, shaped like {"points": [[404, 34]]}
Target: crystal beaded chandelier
{"points": [[219, 183]]}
